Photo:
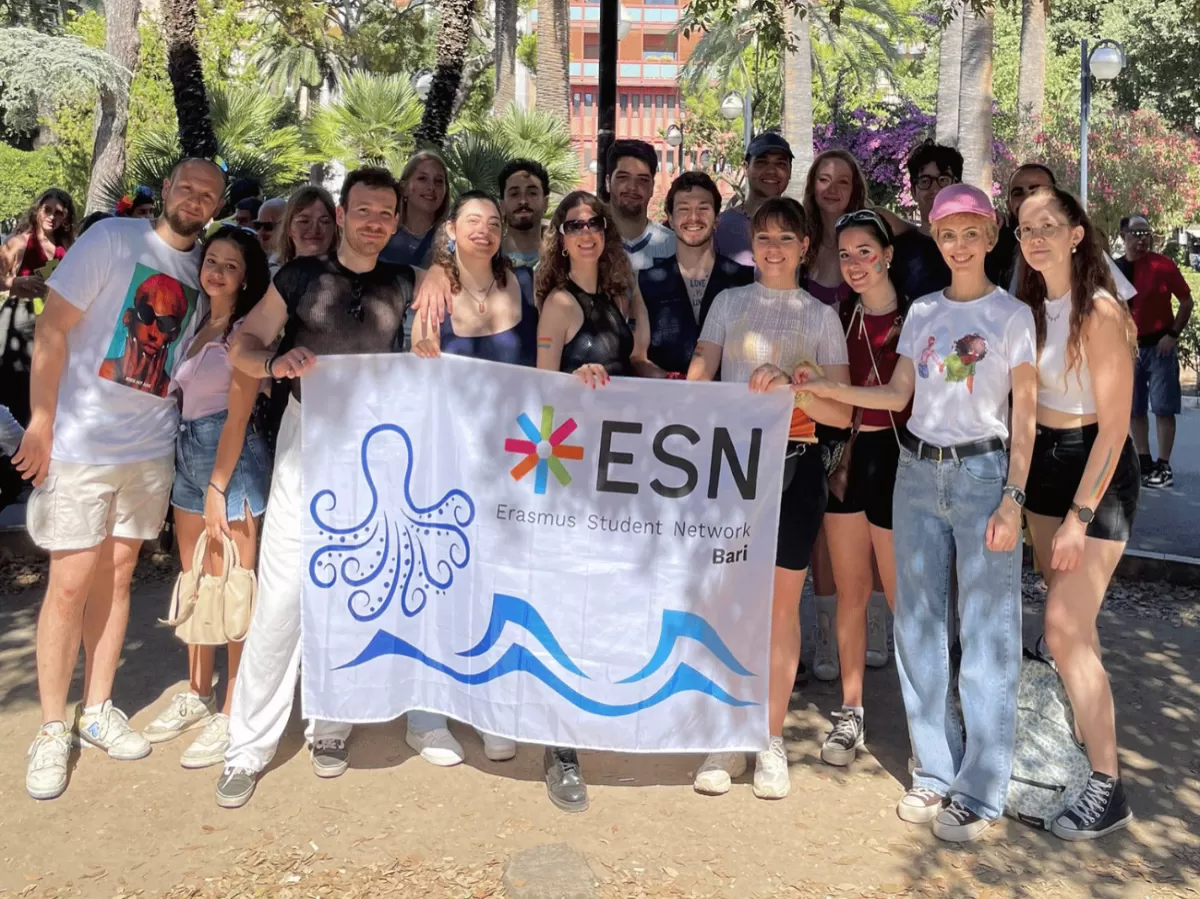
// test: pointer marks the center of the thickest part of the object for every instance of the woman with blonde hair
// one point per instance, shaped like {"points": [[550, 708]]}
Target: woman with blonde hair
{"points": [[308, 226], [424, 201]]}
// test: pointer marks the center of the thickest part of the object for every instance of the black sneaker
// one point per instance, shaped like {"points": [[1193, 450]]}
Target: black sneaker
{"points": [[564, 780], [841, 746], [1162, 476], [958, 824], [1100, 810]]}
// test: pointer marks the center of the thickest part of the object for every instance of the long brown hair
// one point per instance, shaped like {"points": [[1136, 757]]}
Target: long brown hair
{"points": [[64, 234], [410, 167], [285, 247], [554, 270], [1090, 275], [446, 257], [858, 196]]}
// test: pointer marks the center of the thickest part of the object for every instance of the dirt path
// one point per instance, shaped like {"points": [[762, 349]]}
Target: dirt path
{"points": [[394, 825]]}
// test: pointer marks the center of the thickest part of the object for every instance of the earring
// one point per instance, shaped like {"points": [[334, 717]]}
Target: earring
{"points": [[564, 252], [1074, 249], [450, 245]]}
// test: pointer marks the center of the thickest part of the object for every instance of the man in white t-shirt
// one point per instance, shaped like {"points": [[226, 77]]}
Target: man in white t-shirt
{"points": [[100, 450], [632, 168]]}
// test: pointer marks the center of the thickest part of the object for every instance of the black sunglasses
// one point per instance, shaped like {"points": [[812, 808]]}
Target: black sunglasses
{"points": [[596, 224], [167, 324], [861, 217], [356, 304], [264, 226]]}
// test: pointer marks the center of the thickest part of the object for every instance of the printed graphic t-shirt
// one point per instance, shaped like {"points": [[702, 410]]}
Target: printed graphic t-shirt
{"points": [[138, 299], [964, 354]]}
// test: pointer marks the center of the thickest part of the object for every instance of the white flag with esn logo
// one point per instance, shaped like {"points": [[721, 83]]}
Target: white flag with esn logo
{"points": [[545, 561]]}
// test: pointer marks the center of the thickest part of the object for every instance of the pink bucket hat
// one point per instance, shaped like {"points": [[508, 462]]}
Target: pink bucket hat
{"points": [[961, 199]]}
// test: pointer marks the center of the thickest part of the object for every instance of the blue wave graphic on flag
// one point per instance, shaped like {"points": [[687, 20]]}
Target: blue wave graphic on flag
{"points": [[523, 615], [412, 551], [678, 626], [518, 658]]}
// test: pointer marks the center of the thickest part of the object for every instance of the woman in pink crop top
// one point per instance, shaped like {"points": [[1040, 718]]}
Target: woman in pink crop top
{"points": [[222, 468], [858, 524]]}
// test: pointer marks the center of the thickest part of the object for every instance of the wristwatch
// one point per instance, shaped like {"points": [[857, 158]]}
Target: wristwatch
{"points": [[1017, 494], [1083, 512]]}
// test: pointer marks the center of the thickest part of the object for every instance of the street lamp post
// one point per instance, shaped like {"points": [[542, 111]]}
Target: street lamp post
{"points": [[1105, 61], [736, 105], [675, 139], [606, 113]]}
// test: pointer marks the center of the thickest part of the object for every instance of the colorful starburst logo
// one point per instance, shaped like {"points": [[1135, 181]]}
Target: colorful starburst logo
{"points": [[543, 450]]}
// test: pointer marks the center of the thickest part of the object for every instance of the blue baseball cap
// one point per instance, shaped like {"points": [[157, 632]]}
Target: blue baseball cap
{"points": [[768, 142]]}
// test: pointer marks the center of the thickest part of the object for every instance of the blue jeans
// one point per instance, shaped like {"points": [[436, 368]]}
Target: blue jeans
{"points": [[941, 515]]}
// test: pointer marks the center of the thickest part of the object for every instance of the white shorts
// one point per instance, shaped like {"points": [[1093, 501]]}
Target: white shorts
{"points": [[78, 505]]}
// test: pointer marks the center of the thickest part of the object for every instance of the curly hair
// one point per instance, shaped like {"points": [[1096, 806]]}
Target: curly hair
{"points": [[64, 234], [554, 270], [858, 196], [258, 272], [1090, 275], [964, 346], [446, 256]]}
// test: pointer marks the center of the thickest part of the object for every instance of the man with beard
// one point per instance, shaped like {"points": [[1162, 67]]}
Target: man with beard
{"points": [[524, 193], [696, 272], [346, 302], [768, 173], [632, 168], [100, 450]]}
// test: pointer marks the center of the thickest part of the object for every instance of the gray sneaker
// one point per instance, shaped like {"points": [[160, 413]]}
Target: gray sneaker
{"points": [[235, 787], [958, 824], [330, 758]]}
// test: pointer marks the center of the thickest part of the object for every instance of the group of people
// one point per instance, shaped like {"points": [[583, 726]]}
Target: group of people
{"points": [[942, 382]]}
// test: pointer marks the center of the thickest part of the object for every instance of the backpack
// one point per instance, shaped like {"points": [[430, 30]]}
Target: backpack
{"points": [[1050, 768]]}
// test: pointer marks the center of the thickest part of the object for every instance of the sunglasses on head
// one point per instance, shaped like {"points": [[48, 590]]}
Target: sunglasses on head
{"points": [[595, 224], [861, 217], [167, 324], [264, 226]]}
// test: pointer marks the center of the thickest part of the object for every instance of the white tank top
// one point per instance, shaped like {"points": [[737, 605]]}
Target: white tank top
{"points": [[1059, 389]]}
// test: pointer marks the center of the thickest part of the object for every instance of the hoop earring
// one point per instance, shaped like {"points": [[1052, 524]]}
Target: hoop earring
{"points": [[564, 252]]}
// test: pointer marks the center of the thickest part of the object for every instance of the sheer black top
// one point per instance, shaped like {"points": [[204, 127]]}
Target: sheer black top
{"points": [[605, 337]]}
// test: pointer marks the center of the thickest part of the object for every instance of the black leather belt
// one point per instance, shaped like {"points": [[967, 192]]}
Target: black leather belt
{"points": [[923, 450]]}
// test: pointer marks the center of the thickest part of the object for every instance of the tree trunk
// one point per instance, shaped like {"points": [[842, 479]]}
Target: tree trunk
{"points": [[950, 80], [1031, 80], [975, 109], [196, 135], [553, 56], [505, 56], [797, 97], [453, 39], [122, 42]]}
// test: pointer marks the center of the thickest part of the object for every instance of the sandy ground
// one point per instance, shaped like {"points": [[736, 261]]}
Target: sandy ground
{"points": [[396, 826]]}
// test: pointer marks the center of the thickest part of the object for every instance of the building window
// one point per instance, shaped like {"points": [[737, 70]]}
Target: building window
{"points": [[624, 104], [637, 105], [659, 101], [591, 45], [576, 102], [587, 101], [659, 47]]}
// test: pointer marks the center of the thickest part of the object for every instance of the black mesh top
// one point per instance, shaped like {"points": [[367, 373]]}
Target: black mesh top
{"points": [[332, 310], [604, 338]]}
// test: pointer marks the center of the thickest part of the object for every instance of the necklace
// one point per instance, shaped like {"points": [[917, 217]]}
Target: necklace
{"points": [[890, 307], [480, 299]]}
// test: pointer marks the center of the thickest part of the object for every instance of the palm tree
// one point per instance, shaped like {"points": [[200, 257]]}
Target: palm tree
{"points": [[975, 135], [122, 42], [370, 123], [187, 79], [455, 19], [505, 57], [521, 134], [950, 77], [797, 95], [553, 52], [296, 68], [1031, 81]]}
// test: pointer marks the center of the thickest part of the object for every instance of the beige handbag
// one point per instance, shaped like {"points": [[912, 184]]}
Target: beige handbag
{"points": [[211, 610]]}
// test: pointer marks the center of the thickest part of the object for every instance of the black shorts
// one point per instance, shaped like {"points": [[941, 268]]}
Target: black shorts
{"points": [[802, 506], [873, 460], [1059, 458]]}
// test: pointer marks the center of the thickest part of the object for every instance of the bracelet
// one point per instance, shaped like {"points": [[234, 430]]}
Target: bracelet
{"points": [[271, 364], [218, 489]]}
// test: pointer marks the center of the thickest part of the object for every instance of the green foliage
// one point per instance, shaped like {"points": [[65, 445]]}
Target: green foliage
{"points": [[223, 29], [524, 134], [24, 175], [527, 51], [1189, 340], [371, 123]]}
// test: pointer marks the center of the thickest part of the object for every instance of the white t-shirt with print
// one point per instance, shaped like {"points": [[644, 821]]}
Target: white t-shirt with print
{"points": [[656, 242], [138, 297], [964, 354], [755, 325]]}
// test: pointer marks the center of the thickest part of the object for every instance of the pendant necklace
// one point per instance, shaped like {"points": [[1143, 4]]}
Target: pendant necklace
{"points": [[480, 300]]}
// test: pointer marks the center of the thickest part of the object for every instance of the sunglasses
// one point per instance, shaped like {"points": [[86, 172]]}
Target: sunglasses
{"points": [[264, 226], [1140, 233], [356, 304], [596, 224], [861, 217], [167, 324]]}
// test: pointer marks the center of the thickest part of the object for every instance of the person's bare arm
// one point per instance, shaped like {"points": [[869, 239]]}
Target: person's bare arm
{"points": [[23, 287], [249, 353], [1004, 527], [243, 391], [829, 411], [897, 224], [49, 360], [706, 361], [560, 316], [642, 366], [892, 396]]}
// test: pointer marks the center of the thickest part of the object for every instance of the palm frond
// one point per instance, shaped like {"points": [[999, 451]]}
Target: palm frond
{"points": [[372, 122]]}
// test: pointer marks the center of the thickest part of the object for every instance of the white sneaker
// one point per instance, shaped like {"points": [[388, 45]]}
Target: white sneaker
{"points": [[184, 711], [877, 638], [497, 749], [718, 771], [825, 663], [46, 762], [109, 730], [437, 746], [771, 779], [208, 749]]}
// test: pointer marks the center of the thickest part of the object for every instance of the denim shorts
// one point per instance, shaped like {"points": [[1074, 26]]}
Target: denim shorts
{"points": [[1156, 383], [195, 455]]}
